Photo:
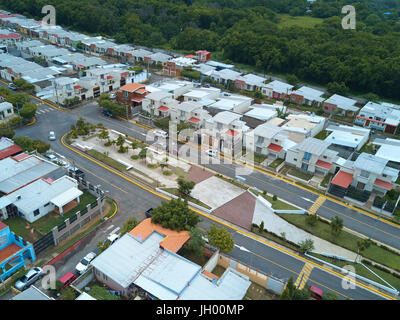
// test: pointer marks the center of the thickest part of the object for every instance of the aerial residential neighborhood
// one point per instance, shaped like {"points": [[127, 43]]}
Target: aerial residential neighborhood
{"points": [[138, 171]]}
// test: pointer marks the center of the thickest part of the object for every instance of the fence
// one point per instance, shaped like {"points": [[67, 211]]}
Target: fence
{"points": [[266, 281], [76, 222]]}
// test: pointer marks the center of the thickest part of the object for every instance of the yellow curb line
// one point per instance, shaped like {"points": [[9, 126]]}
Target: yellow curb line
{"points": [[116, 209], [231, 227]]}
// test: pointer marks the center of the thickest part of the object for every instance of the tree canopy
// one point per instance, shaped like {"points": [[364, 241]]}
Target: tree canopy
{"points": [[253, 32], [220, 238], [175, 215]]}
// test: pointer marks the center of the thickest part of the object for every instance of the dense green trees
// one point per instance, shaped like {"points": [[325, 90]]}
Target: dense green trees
{"points": [[249, 31], [28, 144]]}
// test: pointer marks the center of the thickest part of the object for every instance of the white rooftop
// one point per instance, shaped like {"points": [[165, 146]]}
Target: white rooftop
{"points": [[343, 102]]}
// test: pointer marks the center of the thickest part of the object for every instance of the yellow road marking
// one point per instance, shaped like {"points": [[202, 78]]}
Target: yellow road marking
{"points": [[231, 227], [116, 209]]}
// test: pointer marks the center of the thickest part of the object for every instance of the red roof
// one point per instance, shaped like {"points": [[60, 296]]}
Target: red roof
{"points": [[342, 179], [77, 87], [138, 100], [232, 133], [10, 151], [2, 225], [10, 36], [21, 156], [190, 56], [195, 120], [109, 77], [81, 66], [323, 164], [383, 184], [377, 121], [275, 147], [163, 108]]}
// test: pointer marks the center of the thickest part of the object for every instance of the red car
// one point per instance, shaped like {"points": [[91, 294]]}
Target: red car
{"points": [[67, 279]]}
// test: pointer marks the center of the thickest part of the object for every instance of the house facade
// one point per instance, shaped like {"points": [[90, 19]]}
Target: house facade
{"points": [[313, 156]]}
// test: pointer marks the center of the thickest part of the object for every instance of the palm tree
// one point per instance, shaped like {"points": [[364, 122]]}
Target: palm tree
{"points": [[336, 226], [362, 245]]}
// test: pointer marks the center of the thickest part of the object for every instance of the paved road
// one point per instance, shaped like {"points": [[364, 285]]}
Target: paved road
{"points": [[369, 226], [134, 201]]}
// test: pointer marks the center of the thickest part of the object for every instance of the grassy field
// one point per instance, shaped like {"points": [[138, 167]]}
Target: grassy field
{"points": [[107, 160], [52, 219], [276, 163], [322, 135], [300, 174], [346, 240], [175, 192], [101, 293], [23, 228], [362, 271], [303, 21], [258, 158]]}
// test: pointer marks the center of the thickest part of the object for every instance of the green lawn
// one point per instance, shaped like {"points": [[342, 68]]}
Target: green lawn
{"points": [[322, 135], [53, 219], [237, 184], [325, 181], [258, 158], [300, 21], [101, 293], [275, 238], [23, 228], [345, 240], [362, 271], [276, 163], [368, 148], [300, 174], [106, 159], [278, 204], [175, 192]]}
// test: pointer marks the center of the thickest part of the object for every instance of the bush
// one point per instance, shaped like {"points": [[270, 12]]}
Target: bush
{"points": [[15, 121], [135, 157], [8, 133], [274, 197], [167, 172], [152, 166]]}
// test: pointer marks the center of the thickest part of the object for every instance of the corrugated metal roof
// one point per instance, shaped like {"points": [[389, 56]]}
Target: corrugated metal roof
{"points": [[313, 146], [370, 163]]}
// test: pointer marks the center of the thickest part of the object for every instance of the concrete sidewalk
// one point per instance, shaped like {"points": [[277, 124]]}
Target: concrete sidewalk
{"points": [[275, 224]]}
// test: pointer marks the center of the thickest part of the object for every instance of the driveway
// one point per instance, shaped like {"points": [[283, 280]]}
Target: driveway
{"points": [[215, 192]]}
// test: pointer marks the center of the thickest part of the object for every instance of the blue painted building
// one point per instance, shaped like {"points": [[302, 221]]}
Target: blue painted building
{"points": [[13, 252]]}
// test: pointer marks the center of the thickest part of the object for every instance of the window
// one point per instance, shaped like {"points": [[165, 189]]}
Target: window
{"points": [[47, 204], [9, 110], [126, 94], [260, 140], [364, 174], [307, 156], [105, 277], [36, 212], [294, 159]]}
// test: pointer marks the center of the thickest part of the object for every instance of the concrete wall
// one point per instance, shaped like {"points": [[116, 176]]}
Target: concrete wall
{"points": [[266, 281], [71, 227]]}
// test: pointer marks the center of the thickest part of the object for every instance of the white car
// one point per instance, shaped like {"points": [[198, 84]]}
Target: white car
{"points": [[112, 238], [83, 265], [112, 96], [52, 157], [52, 136], [160, 133], [212, 153]]}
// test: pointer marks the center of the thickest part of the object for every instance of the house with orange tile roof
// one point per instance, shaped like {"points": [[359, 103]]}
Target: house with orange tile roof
{"points": [[146, 260], [131, 95]]}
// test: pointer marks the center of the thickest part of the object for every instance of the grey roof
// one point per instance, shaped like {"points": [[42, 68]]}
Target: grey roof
{"points": [[32, 293], [40, 192], [5, 143], [128, 257], [226, 117], [141, 53], [159, 95], [370, 163], [188, 106], [159, 56], [313, 146], [267, 130], [15, 174], [343, 102]]}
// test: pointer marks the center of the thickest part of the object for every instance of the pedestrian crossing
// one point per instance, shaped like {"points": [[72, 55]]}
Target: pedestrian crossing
{"points": [[316, 205], [42, 111], [303, 276]]}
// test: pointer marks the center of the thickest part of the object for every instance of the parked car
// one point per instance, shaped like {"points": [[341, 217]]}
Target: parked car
{"points": [[51, 157], [316, 293], [75, 172], [12, 86], [67, 279], [112, 96], [25, 281], [83, 265], [108, 113], [212, 153], [112, 238], [161, 133], [52, 136]]}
